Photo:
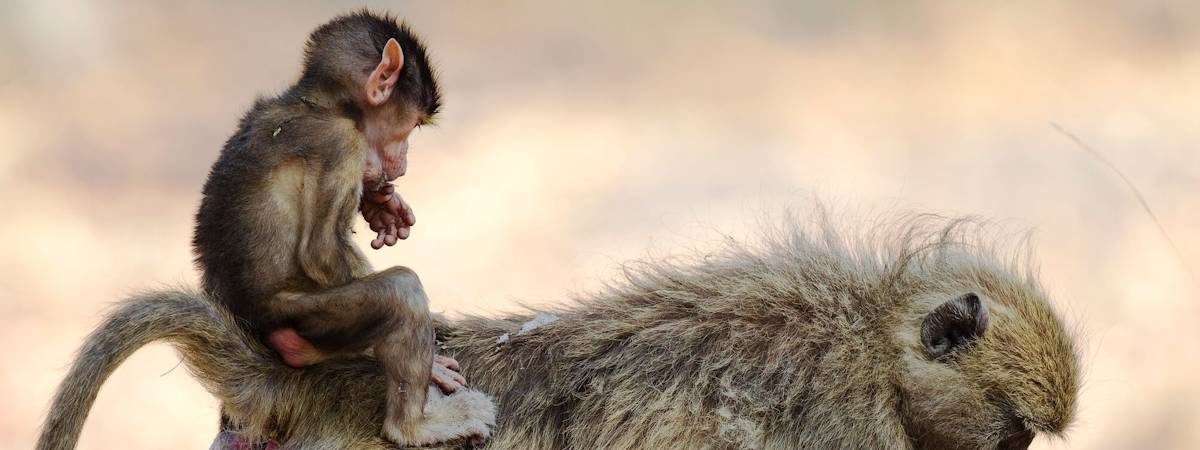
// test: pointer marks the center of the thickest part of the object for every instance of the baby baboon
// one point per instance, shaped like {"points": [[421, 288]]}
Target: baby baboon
{"points": [[918, 336], [273, 231], [273, 238]]}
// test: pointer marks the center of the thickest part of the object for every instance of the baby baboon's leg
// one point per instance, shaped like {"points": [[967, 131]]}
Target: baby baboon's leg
{"points": [[387, 311], [410, 348]]}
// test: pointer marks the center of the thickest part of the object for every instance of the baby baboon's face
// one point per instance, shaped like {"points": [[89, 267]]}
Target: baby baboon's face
{"points": [[988, 371]]}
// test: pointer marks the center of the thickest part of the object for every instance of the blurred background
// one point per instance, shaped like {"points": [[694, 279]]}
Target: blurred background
{"points": [[578, 136]]}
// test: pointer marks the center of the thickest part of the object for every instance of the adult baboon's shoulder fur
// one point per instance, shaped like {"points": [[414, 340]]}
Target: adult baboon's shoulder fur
{"points": [[807, 339]]}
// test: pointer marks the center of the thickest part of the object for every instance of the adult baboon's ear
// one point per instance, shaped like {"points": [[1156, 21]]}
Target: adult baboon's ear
{"points": [[953, 325]]}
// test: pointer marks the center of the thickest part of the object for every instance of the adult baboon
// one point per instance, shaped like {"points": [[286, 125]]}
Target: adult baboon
{"points": [[917, 335]]}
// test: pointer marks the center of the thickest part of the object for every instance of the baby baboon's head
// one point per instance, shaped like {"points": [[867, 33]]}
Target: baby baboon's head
{"points": [[985, 362]]}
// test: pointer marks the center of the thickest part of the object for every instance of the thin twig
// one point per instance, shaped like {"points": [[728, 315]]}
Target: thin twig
{"points": [[1137, 193], [172, 369]]}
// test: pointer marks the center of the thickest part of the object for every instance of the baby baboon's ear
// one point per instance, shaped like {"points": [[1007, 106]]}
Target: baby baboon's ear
{"points": [[953, 325]]}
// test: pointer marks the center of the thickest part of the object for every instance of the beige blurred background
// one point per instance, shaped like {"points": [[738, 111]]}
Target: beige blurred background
{"points": [[577, 136]]}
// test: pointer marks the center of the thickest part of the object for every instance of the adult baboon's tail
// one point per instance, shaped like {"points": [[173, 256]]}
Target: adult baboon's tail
{"points": [[214, 348]]}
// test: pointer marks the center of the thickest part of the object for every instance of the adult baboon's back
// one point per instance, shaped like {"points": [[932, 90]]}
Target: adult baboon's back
{"points": [[918, 335]]}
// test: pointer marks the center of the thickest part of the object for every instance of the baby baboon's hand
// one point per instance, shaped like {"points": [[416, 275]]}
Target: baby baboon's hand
{"points": [[388, 215], [446, 376]]}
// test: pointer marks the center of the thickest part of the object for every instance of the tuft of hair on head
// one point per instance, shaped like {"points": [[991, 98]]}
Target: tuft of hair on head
{"points": [[340, 54]]}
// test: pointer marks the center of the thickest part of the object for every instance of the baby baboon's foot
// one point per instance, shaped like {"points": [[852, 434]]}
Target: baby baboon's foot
{"points": [[446, 361], [445, 374], [466, 416]]}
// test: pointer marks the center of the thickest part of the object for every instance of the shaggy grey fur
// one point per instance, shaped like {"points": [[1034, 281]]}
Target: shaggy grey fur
{"points": [[807, 339]]}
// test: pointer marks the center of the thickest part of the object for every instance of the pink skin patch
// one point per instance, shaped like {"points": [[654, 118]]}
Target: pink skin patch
{"points": [[295, 350], [388, 215], [387, 158], [395, 159]]}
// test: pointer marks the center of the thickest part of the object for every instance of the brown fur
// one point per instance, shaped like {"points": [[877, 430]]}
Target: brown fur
{"points": [[273, 228], [808, 339]]}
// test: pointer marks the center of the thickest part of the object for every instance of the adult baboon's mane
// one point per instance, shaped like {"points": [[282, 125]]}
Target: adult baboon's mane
{"points": [[793, 262]]}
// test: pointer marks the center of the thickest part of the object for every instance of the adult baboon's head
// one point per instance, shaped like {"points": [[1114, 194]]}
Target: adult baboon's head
{"points": [[985, 363]]}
